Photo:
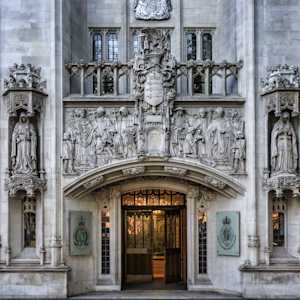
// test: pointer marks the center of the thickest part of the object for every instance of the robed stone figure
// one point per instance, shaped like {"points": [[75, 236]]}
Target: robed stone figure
{"points": [[24, 147], [284, 153]]}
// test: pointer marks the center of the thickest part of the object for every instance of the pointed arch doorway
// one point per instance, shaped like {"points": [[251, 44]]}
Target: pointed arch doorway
{"points": [[154, 238]]}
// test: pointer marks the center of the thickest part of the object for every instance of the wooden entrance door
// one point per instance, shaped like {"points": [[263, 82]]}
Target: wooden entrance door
{"points": [[138, 246], [173, 246]]}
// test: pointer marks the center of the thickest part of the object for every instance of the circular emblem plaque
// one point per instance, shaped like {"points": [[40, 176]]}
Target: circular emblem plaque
{"points": [[226, 235], [81, 236]]}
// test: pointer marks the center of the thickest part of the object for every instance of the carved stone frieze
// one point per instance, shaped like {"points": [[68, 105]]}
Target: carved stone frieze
{"points": [[176, 171], [281, 77], [215, 182], [94, 182], [152, 9], [134, 171]]}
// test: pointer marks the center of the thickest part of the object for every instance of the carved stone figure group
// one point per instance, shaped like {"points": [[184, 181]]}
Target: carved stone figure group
{"points": [[212, 136], [96, 137]]}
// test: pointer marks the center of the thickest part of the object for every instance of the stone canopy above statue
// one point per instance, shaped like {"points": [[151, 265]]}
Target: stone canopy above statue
{"points": [[152, 9]]}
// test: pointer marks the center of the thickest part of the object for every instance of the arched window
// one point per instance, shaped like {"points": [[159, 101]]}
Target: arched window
{"points": [[206, 46], [29, 222], [97, 46], [113, 46], [191, 46], [278, 223]]}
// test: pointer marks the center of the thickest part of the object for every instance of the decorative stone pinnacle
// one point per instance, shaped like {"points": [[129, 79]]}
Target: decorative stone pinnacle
{"points": [[281, 77], [23, 76]]}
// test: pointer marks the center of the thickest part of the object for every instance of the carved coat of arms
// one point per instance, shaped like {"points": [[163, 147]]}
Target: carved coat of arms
{"points": [[152, 9], [154, 88]]}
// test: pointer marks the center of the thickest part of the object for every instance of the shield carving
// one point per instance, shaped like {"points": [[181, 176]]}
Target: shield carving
{"points": [[154, 88]]}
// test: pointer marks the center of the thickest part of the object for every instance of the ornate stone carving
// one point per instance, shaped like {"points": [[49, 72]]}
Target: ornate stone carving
{"points": [[24, 77], [96, 137], [152, 9], [94, 182], [24, 147], [284, 153], [24, 95], [134, 171], [282, 183], [176, 171], [28, 183], [215, 182], [281, 77]]}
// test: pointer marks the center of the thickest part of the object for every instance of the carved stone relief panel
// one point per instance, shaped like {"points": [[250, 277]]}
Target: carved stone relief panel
{"points": [[213, 136], [96, 136]]}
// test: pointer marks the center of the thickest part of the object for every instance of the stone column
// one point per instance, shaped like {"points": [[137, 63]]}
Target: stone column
{"points": [[250, 94], [191, 200]]}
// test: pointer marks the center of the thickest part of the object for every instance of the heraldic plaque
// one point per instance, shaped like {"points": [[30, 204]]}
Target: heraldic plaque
{"points": [[80, 233], [228, 233]]}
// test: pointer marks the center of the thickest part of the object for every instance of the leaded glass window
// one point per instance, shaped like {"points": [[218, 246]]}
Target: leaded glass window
{"points": [[113, 46], [105, 241], [278, 223], [153, 198], [206, 46], [202, 235], [29, 222], [191, 46], [97, 46]]}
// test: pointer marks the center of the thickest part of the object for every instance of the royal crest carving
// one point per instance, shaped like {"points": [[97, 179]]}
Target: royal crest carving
{"points": [[152, 9]]}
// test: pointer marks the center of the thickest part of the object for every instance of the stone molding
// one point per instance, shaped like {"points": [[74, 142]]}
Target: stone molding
{"points": [[154, 167]]}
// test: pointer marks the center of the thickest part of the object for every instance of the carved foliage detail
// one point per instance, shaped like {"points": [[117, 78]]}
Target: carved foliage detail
{"points": [[152, 9]]}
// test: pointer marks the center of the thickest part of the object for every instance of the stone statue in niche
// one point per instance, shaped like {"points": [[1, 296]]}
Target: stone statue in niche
{"points": [[24, 147], [284, 153], [68, 153], [152, 9], [218, 137]]}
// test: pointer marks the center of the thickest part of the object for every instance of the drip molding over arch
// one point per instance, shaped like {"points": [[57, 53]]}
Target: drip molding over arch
{"points": [[154, 167]]}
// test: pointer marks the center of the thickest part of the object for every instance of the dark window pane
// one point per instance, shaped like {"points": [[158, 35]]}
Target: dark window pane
{"points": [[105, 241], [278, 229], [191, 46], [29, 220], [206, 46], [113, 47], [97, 47]]}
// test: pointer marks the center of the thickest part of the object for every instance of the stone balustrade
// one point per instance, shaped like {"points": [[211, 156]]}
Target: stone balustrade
{"points": [[203, 78]]}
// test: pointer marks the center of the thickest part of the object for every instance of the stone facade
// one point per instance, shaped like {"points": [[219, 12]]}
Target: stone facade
{"points": [[81, 126]]}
